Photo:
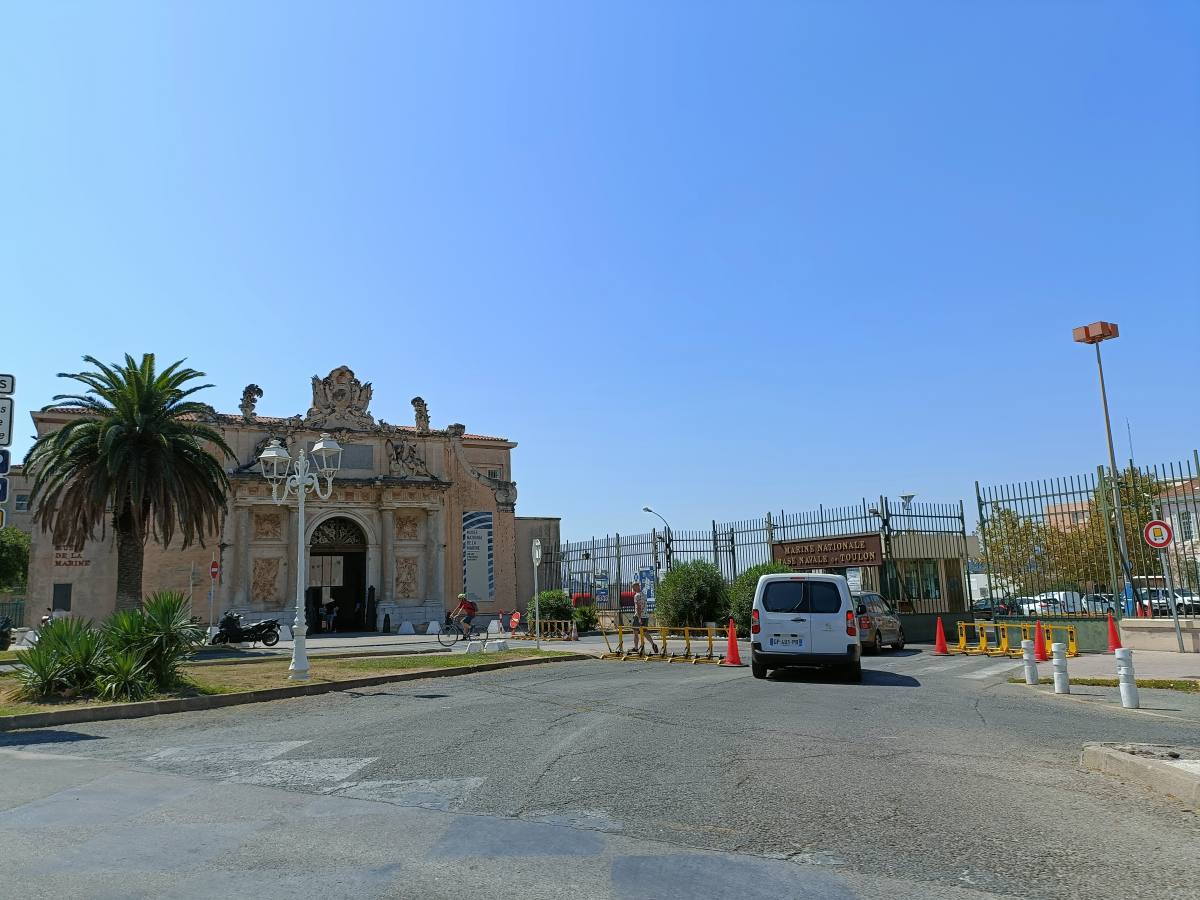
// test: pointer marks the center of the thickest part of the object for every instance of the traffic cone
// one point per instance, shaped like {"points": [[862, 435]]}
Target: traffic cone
{"points": [[1114, 639], [1039, 644], [732, 657], [939, 644]]}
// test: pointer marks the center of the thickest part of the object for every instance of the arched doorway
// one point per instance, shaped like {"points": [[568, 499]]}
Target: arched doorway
{"points": [[337, 576]]}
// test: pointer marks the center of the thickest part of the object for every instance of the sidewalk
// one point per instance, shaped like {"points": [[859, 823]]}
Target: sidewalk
{"points": [[1166, 664]]}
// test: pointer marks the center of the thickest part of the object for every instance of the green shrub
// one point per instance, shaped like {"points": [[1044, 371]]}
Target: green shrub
{"points": [[741, 594], [123, 676], [168, 637], [692, 593], [78, 648], [586, 618], [41, 671], [553, 605]]}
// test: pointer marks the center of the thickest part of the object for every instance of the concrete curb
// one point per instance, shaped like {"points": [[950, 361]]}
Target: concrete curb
{"points": [[1155, 774], [217, 701]]}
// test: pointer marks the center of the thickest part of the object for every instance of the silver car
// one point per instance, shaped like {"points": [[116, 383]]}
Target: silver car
{"points": [[878, 623]]}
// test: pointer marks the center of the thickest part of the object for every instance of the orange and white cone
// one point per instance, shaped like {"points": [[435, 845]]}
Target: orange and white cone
{"points": [[732, 656]]}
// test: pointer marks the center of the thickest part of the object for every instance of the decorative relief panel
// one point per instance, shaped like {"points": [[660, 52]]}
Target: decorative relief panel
{"points": [[263, 583], [408, 526], [406, 577], [268, 526]]}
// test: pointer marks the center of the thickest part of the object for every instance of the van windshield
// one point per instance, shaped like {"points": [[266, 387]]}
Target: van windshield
{"points": [[801, 597]]}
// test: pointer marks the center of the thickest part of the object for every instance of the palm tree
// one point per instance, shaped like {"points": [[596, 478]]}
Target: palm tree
{"points": [[139, 450]]}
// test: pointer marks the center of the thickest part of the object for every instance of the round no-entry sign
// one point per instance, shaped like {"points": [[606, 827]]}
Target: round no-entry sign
{"points": [[1157, 534], [214, 569]]}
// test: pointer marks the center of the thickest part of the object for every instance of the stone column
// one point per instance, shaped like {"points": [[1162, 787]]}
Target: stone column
{"points": [[241, 555], [294, 541], [435, 542], [387, 521]]}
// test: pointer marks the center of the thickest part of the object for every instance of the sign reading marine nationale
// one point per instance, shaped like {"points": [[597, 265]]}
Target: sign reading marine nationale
{"points": [[844, 551]]}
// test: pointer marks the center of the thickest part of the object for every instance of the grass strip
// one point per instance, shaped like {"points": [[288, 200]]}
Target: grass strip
{"points": [[1185, 685], [250, 676]]}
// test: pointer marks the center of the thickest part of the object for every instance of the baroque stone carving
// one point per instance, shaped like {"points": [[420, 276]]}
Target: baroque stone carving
{"points": [[339, 532], [405, 460], [263, 580], [407, 526], [268, 526], [406, 577], [340, 400], [422, 415], [250, 397]]}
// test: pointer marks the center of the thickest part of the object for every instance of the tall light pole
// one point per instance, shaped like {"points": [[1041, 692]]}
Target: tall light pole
{"points": [[667, 524], [1095, 334], [301, 480]]}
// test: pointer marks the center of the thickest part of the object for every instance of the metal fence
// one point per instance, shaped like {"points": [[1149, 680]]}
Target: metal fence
{"points": [[601, 567], [1057, 539], [14, 610]]}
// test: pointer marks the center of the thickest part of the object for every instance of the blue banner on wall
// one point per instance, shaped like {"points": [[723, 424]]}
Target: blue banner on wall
{"points": [[479, 572]]}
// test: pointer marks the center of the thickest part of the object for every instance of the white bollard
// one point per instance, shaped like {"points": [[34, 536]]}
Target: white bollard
{"points": [[1031, 672], [1126, 680], [433, 628], [475, 646], [496, 646], [1062, 684], [406, 628], [494, 627]]}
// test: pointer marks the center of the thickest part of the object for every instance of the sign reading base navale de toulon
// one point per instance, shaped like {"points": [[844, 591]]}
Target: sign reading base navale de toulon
{"points": [[842, 552]]}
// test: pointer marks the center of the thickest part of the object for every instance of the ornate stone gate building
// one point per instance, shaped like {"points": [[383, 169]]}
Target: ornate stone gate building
{"points": [[417, 515]]}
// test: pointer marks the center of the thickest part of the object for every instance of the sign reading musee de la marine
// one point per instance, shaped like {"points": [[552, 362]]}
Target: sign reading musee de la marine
{"points": [[830, 553]]}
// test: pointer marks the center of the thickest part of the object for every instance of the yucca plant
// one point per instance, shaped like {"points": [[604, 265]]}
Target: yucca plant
{"points": [[41, 671], [78, 648], [123, 676], [124, 630], [169, 636]]}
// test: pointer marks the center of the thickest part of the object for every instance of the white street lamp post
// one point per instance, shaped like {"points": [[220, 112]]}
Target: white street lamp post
{"points": [[302, 479], [667, 541]]}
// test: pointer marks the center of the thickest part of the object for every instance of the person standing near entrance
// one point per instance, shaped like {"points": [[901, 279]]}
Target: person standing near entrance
{"points": [[641, 619]]}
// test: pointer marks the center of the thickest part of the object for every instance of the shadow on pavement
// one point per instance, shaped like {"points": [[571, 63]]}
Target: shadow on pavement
{"points": [[870, 677], [40, 736]]}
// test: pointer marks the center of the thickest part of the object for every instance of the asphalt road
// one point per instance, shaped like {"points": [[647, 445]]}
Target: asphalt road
{"points": [[934, 778]]}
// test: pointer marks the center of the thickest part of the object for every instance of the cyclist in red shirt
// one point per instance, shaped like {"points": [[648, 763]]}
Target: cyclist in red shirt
{"points": [[465, 611]]}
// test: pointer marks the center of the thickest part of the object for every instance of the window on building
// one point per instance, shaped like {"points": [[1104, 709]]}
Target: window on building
{"points": [[61, 601], [931, 582], [497, 474], [1187, 529], [22, 502]]}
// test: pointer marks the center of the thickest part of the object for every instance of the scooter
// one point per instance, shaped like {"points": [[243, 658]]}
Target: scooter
{"points": [[231, 630]]}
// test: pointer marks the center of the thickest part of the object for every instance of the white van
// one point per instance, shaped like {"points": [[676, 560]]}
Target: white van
{"points": [[804, 620]]}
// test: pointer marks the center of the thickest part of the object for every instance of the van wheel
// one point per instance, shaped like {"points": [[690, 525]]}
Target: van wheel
{"points": [[878, 648], [899, 645], [758, 670]]}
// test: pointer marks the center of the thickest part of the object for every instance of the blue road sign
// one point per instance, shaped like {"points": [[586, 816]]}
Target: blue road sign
{"points": [[5, 459], [3, 490]]}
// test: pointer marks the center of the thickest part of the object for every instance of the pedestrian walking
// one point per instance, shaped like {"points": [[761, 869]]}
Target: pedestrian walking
{"points": [[641, 619]]}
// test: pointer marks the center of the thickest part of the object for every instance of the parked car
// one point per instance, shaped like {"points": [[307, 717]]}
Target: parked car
{"points": [[990, 607], [1042, 606], [804, 620], [1098, 605], [1186, 601], [878, 623]]}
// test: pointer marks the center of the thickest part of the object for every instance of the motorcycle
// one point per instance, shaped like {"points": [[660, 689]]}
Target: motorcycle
{"points": [[231, 630], [5, 633]]}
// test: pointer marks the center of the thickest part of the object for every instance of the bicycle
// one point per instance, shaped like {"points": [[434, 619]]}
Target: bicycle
{"points": [[452, 632]]}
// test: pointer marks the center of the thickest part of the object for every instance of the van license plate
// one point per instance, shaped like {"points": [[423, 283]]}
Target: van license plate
{"points": [[786, 642]]}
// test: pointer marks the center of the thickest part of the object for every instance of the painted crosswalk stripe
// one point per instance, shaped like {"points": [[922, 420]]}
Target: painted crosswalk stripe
{"points": [[992, 670], [942, 667]]}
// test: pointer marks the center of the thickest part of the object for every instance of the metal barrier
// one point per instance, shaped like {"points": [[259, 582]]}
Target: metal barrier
{"points": [[704, 638], [551, 630], [1072, 638]]}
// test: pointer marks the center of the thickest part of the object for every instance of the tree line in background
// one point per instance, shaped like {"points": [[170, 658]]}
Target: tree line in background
{"points": [[1029, 554]]}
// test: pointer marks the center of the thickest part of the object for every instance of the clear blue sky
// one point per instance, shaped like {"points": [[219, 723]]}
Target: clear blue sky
{"points": [[717, 258]]}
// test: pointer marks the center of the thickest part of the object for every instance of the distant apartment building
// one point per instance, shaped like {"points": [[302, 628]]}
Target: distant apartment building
{"points": [[1068, 516], [17, 513]]}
